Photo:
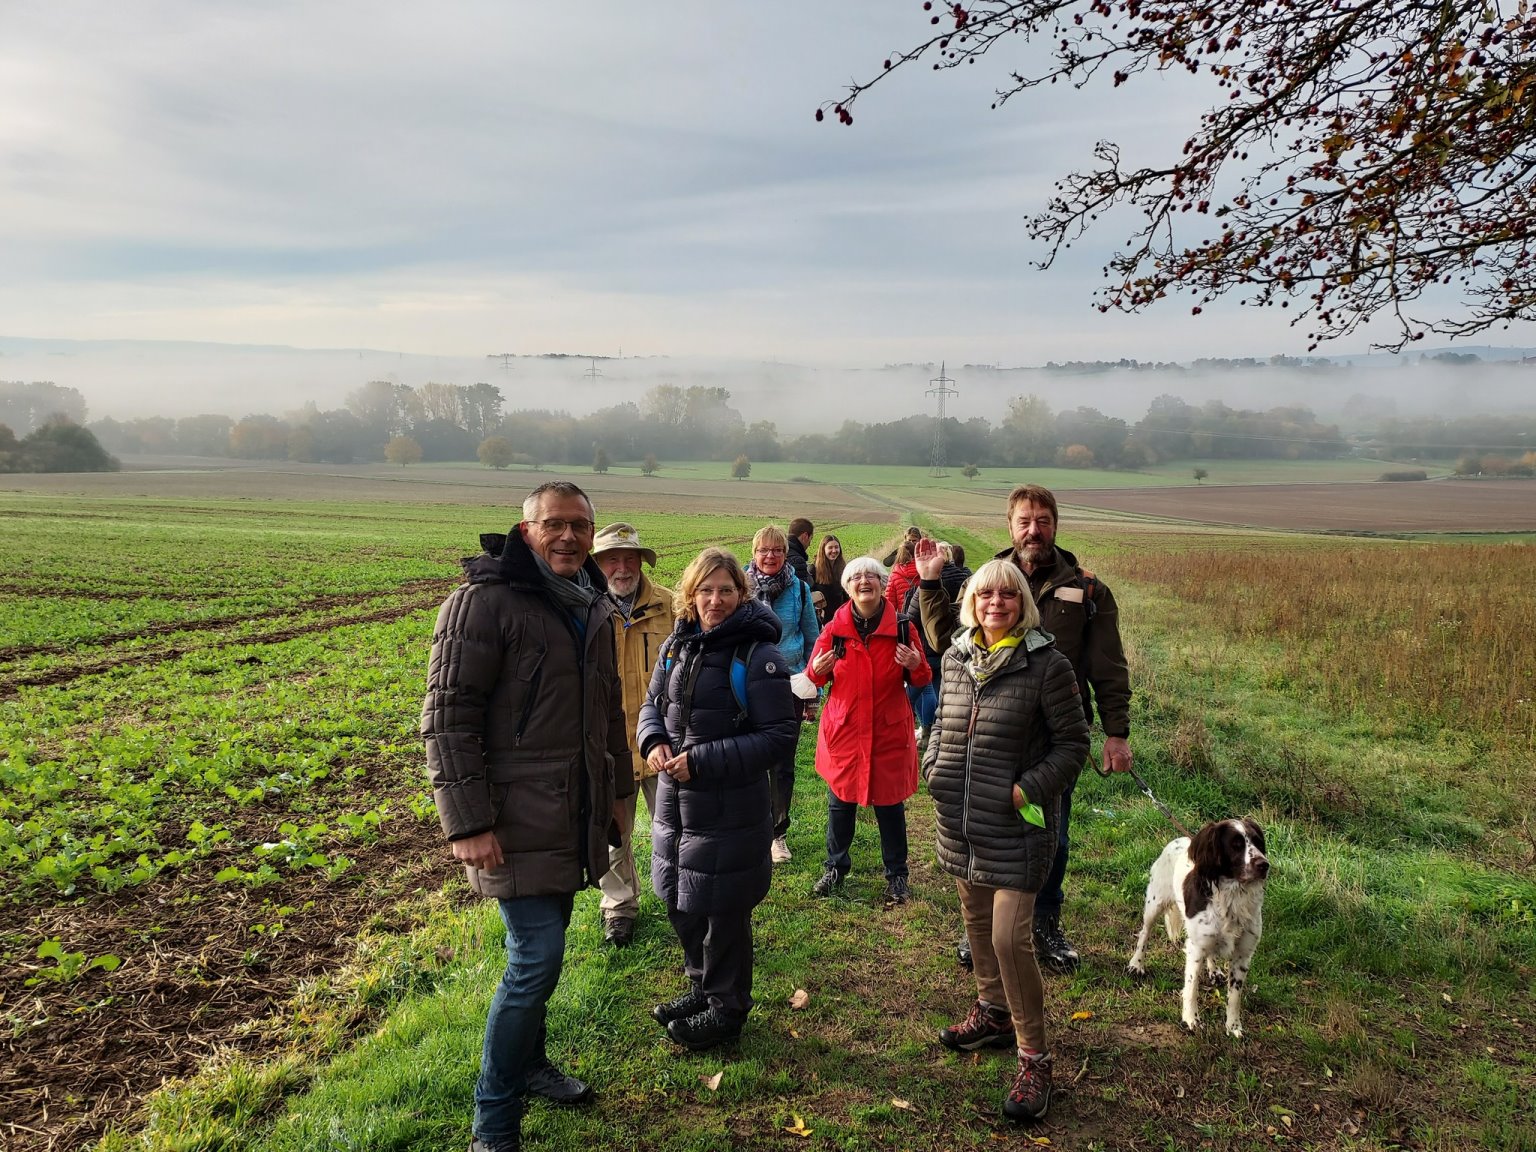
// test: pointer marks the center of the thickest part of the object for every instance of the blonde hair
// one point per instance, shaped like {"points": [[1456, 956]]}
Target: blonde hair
{"points": [[771, 535], [998, 574], [699, 569]]}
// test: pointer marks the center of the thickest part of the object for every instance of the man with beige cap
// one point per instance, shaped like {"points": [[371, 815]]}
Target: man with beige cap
{"points": [[645, 617]]}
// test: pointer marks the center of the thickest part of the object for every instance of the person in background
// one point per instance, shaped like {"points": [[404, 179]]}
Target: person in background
{"points": [[710, 838], [1008, 743], [801, 533], [771, 580], [645, 618], [1079, 611], [529, 765], [912, 536], [827, 577], [864, 747], [903, 574]]}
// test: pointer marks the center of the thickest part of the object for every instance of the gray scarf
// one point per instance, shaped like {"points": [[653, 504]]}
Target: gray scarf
{"points": [[574, 594]]}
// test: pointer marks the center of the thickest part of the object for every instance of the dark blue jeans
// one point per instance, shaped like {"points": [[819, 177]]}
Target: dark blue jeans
{"points": [[892, 820], [1049, 900], [514, 1028], [925, 702]]}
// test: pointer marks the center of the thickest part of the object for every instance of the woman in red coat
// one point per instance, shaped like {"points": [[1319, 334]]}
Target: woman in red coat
{"points": [[866, 750]]}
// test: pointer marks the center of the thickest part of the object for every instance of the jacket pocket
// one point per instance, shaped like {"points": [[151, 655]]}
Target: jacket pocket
{"points": [[534, 804]]}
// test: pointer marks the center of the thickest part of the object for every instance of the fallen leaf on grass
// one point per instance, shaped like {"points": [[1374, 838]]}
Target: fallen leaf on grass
{"points": [[800, 999], [898, 1103], [712, 1082], [1179, 1092], [798, 1128], [795, 1034], [1081, 1016], [1043, 1141]]}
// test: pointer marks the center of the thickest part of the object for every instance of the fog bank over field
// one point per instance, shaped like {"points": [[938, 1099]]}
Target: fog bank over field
{"points": [[126, 379]]}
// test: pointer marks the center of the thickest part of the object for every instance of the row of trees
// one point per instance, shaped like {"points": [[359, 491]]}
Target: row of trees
{"points": [[674, 423], [445, 422]]}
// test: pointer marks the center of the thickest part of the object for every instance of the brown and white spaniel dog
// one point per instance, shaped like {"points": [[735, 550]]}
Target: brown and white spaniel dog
{"points": [[1211, 888]]}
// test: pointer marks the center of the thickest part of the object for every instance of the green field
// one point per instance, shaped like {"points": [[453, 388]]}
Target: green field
{"points": [[214, 827]]}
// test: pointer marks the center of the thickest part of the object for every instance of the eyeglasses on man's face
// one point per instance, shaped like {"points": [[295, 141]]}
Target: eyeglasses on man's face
{"points": [[556, 526]]}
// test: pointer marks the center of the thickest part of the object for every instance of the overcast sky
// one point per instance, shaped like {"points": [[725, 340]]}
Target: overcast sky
{"points": [[465, 177]]}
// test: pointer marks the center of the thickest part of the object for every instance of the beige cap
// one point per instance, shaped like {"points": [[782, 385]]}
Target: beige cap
{"points": [[616, 536]]}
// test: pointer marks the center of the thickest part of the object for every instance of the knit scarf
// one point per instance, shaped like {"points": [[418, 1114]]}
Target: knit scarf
{"points": [[769, 588]]}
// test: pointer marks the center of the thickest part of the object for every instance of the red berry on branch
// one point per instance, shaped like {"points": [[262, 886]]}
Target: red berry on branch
{"points": [[820, 115]]}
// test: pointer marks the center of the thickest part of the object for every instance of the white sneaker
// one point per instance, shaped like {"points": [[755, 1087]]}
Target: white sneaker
{"points": [[780, 851]]}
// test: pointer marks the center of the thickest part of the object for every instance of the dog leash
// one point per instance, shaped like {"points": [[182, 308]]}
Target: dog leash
{"points": [[1146, 790]]}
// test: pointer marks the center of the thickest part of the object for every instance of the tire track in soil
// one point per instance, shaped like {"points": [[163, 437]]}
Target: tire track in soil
{"points": [[215, 623], [84, 1055], [68, 674]]}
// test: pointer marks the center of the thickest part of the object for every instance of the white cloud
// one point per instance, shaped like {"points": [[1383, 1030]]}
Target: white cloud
{"points": [[472, 175]]}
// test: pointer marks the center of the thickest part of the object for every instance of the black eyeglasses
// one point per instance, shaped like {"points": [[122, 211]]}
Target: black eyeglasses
{"points": [[555, 526]]}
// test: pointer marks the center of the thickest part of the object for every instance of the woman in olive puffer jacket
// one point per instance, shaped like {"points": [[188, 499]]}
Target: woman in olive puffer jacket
{"points": [[1008, 740]]}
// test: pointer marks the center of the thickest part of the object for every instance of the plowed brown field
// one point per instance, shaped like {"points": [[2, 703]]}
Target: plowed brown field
{"points": [[1426, 506]]}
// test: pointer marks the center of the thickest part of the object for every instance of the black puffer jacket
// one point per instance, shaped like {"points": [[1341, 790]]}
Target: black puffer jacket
{"points": [[1023, 726], [710, 836]]}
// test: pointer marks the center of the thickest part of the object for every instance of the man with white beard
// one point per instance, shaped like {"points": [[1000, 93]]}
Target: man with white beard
{"points": [[645, 617]]}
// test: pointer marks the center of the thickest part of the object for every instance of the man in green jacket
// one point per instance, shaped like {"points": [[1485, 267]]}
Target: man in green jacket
{"points": [[529, 765], [644, 622], [1078, 610]]}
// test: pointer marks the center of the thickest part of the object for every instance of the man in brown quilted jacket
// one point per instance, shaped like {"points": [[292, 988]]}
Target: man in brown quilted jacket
{"points": [[529, 765]]}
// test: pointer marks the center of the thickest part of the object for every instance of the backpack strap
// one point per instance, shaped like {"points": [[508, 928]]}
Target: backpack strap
{"points": [[1090, 590], [741, 662]]}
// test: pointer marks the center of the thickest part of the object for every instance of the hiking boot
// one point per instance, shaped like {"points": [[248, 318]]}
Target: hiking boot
{"points": [[780, 851], [896, 891], [702, 1030], [687, 1004], [829, 882], [618, 931], [510, 1144], [963, 953], [1030, 1095], [548, 1082], [1052, 949], [985, 1027]]}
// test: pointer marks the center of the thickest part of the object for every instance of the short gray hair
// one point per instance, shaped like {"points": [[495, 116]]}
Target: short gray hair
{"points": [[555, 488], [861, 565]]}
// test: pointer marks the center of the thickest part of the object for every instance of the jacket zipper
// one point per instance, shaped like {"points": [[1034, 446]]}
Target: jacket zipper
{"points": [[528, 701], [965, 799]]}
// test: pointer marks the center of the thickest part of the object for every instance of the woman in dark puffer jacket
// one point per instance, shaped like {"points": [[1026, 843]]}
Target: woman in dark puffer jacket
{"points": [[713, 822], [1009, 739]]}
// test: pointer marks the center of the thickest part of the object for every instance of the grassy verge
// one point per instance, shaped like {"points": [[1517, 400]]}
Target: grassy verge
{"points": [[1391, 1005]]}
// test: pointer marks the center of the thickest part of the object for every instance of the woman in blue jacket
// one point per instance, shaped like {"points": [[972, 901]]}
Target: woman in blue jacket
{"points": [[774, 583], [718, 711]]}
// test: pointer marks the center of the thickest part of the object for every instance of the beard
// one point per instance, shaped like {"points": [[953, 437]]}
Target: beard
{"points": [[1035, 552], [623, 586]]}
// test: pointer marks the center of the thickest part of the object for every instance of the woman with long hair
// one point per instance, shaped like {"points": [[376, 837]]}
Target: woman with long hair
{"points": [[827, 577]]}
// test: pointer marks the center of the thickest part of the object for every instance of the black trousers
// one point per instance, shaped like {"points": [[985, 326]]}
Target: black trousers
{"points": [[717, 955]]}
